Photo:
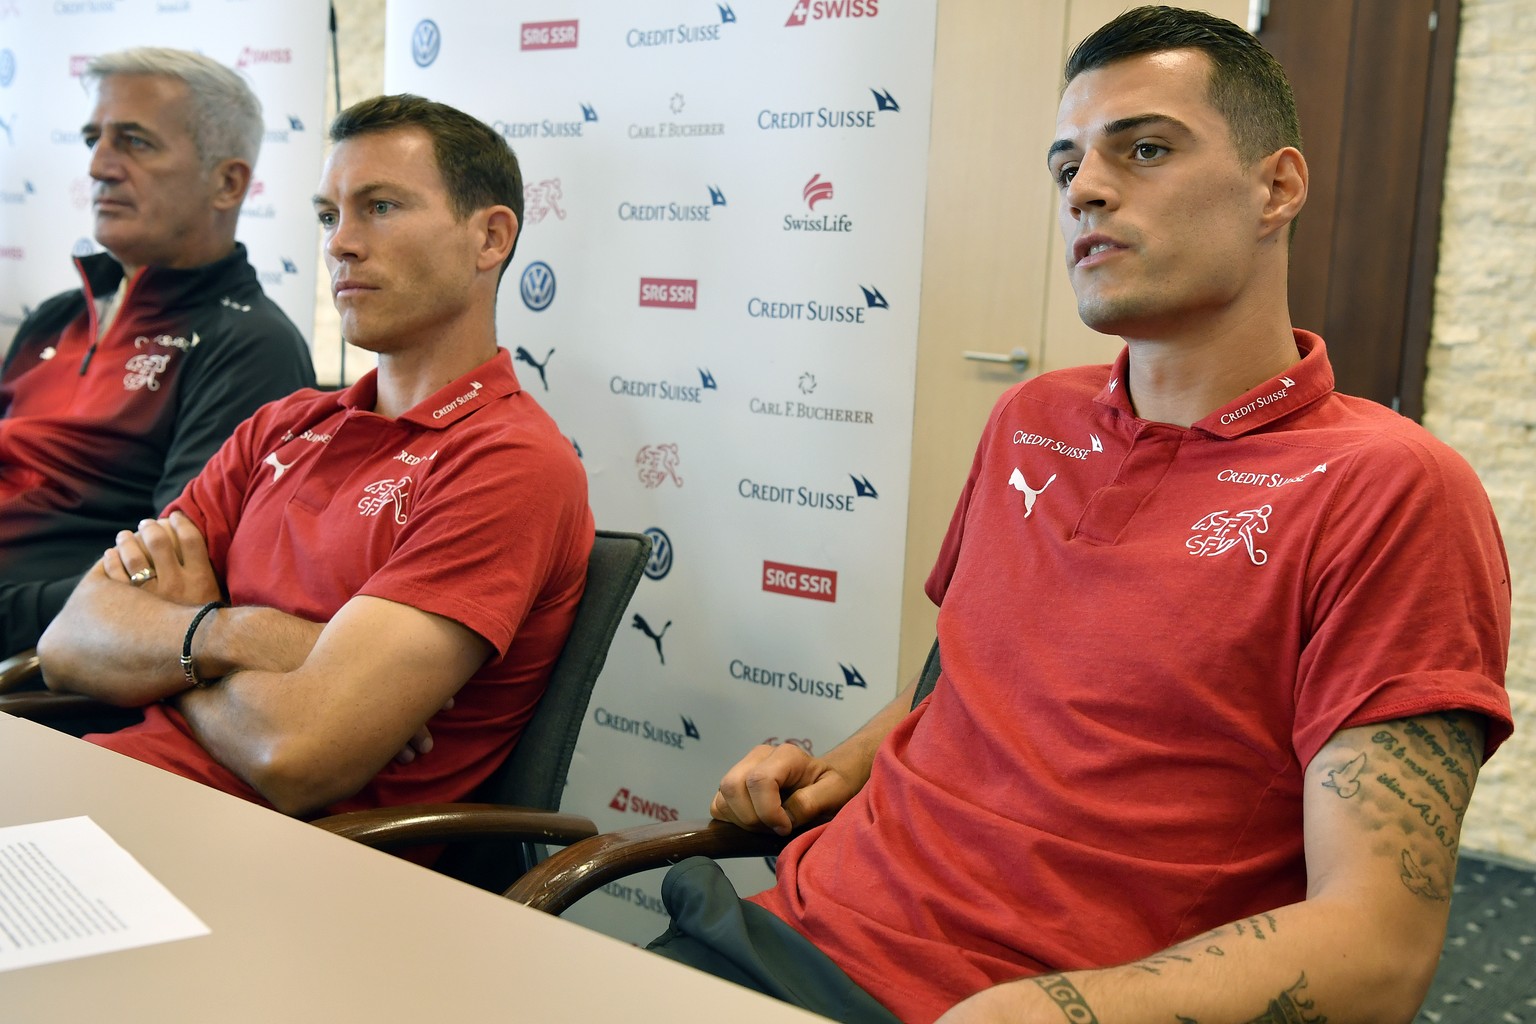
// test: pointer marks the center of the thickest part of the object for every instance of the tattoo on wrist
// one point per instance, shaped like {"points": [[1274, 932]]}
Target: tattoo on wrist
{"points": [[1067, 999], [1289, 1007]]}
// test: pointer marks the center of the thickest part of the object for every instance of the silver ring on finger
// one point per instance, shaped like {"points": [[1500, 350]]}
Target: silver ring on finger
{"points": [[142, 577]]}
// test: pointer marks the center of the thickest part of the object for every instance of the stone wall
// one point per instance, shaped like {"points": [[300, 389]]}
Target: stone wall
{"points": [[1480, 395]]}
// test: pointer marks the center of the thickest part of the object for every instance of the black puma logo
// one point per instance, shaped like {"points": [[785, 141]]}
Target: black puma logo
{"points": [[524, 356], [645, 627]]}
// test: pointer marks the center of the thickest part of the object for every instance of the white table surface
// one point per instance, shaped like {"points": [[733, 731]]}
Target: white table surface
{"points": [[307, 926]]}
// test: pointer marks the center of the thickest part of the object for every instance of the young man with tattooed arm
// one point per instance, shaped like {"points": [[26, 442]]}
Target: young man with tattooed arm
{"points": [[1215, 694]]}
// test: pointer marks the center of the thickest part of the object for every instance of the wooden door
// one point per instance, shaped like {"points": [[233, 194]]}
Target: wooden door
{"points": [[1373, 89]]}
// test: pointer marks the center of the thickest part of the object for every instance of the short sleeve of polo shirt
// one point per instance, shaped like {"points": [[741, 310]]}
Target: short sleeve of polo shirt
{"points": [[1408, 598]]}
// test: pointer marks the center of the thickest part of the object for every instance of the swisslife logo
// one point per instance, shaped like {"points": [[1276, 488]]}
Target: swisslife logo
{"points": [[634, 803], [831, 10], [551, 35], [814, 192]]}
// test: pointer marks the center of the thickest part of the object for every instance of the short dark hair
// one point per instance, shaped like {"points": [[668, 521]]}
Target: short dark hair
{"points": [[1248, 86], [479, 169]]}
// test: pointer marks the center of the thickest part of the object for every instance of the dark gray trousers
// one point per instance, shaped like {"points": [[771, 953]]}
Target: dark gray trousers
{"points": [[716, 931]]}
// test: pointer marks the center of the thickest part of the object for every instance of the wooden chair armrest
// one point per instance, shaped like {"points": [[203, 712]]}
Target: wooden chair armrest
{"points": [[18, 670], [389, 828], [577, 870], [47, 706]]}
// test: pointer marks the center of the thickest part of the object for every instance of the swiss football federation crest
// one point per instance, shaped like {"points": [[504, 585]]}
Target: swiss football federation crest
{"points": [[393, 495], [144, 372], [1221, 531], [657, 464], [542, 199]]}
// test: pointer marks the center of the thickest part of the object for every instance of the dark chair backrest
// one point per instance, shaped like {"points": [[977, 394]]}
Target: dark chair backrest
{"points": [[534, 774], [931, 669]]}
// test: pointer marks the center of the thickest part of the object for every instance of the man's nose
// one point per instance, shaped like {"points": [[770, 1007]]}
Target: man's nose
{"points": [[342, 242], [1091, 186], [105, 165]]}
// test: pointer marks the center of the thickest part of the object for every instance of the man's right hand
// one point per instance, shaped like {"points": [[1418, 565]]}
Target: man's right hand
{"points": [[780, 788]]}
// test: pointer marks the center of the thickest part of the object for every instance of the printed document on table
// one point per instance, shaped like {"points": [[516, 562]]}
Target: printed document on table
{"points": [[67, 890]]}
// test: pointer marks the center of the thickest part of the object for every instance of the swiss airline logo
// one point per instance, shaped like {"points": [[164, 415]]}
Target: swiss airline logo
{"points": [[551, 35], [824, 10], [669, 292], [800, 581], [634, 803], [253, 55]]}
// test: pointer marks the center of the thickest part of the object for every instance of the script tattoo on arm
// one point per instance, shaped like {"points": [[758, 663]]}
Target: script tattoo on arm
{"points": [[1258, 928], [1067, 999], [1415, 774], [1289, 1007]]}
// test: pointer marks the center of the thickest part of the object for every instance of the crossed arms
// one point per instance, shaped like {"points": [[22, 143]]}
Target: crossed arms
{"points": [[299, 712], [1382, 810]]}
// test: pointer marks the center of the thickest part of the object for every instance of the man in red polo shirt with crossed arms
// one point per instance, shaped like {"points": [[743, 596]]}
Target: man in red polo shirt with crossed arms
{"points": [[353, 565]]}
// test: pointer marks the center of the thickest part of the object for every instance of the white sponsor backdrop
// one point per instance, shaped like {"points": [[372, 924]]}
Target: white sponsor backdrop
{"points": [[716, 295], [278, 46]]}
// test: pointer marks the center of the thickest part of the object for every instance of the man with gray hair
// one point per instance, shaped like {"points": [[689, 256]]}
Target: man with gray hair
{"points": [[113, 395]]}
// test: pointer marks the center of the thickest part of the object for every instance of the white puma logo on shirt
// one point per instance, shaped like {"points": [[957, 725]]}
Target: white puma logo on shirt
{"points": [[1031, 494], [278, 468]]}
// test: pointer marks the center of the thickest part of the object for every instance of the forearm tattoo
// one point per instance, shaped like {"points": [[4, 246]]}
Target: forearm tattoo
{"points": [[1289, 1007], [1413, 782], [1067, 999]]}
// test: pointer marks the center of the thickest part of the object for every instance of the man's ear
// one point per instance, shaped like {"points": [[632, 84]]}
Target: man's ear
{"points": [[1285, 182], [231, 179], [500, 235]]}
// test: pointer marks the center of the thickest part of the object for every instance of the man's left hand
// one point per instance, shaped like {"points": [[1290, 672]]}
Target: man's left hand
{"points": [[174, 556]]}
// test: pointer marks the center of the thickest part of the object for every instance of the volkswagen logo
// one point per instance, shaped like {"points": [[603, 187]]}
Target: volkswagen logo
{"points": [[660, 562], [425, 42], [538, 286], [7, 67]]}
